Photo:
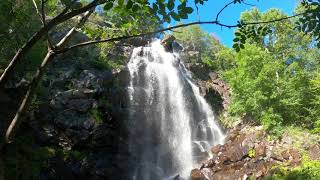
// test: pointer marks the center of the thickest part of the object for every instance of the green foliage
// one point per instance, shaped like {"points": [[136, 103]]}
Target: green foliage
{"points": [[170, 9], [224, 61], [193, 38], [14, 31], [316, 129], [24, 160], [309, 22], [252, 153], [274, 80], [307, 170], [245, 32], [272, 122], [97, 115], [69, 154], [162, 10]]}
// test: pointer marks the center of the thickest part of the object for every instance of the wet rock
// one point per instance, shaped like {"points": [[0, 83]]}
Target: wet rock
{"points": [[81, 105], [218, 148], [177, 47], [45, 134], [70, 119], [89, 124], [207, 172], [104, 136], [196, 174], [167, 41]]}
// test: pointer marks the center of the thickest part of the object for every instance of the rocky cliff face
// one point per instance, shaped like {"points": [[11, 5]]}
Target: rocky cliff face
{"points": [[212, 87], [77, 122], [85, 111]]}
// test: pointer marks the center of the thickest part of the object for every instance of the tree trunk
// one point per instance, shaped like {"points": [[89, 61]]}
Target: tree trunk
{"points": [[8, 72], [28, 98], [1, 168], [11, 131]]}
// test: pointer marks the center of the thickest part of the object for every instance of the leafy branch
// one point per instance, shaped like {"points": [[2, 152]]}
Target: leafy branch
{"points": [[240, 24]]}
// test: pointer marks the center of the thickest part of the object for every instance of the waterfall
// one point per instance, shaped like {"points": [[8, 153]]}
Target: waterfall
{"points": [[171, 125]]}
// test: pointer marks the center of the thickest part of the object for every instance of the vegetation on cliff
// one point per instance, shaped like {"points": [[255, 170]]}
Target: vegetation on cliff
{"points": [[272, 69]]}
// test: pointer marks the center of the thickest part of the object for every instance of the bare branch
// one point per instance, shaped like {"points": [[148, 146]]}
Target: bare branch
{"points": [[14, 125], [171, 28], [43, 13], [261, 22], [230, 3], [66, 9], [37, 10], [227, 5], [65, 15], [248, 4], [66, 38]]}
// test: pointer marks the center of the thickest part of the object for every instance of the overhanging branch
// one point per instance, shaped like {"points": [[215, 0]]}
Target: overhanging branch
{"points": [[63, 16], [171, 28]]}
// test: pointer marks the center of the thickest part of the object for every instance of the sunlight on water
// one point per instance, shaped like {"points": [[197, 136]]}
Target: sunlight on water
{"points": [[171, 125]]}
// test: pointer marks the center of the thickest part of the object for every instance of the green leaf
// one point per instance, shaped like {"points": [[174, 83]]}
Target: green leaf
{"points": [[237, 33], [183, 15], [108, 6], [175, 16], [182, 6], [170, 5], [155, 7], [166, 18], [188, 10], [129, 4], [120, 2], [235, 45], [243, 40], [135, 7], [162, 9]]}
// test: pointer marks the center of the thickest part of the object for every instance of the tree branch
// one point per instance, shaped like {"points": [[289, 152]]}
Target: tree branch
{"points": [[227, 5], [39, 34], [66, 38], [261, 22], [230, 3], [171, 28], [15, 123], [37, 10], [43, 13]]}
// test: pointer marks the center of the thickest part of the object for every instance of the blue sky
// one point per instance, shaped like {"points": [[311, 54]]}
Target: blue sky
{"points": [[231, 15]]}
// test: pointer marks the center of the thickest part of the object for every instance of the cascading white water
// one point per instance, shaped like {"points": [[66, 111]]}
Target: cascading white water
{"points": [[171, 125]]}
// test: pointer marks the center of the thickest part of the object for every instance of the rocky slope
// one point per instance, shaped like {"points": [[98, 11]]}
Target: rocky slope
{"points": [[249, 152], [212, 87]]}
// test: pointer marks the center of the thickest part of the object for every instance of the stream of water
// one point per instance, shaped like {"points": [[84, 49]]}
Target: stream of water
{"points": [[171, 125]]}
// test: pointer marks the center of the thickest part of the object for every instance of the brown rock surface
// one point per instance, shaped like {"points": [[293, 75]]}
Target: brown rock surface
{"points": [[314, 152], [247, 153], [196, 174]]}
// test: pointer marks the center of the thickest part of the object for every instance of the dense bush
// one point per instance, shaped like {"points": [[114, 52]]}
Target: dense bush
{"points": [[275, 80], [308, 170]]}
